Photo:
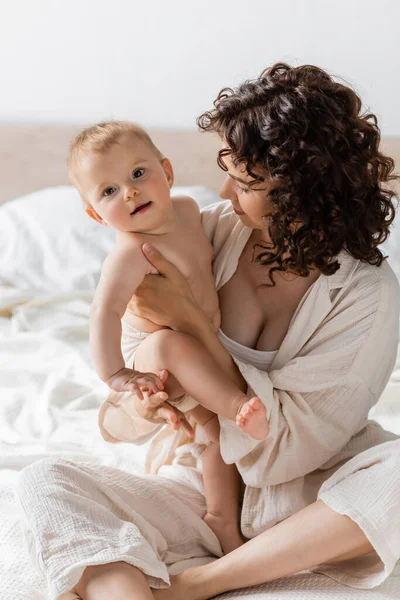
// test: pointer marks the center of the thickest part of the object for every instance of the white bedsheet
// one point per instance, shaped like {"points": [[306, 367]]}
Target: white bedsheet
{"points": [[49, 398]]}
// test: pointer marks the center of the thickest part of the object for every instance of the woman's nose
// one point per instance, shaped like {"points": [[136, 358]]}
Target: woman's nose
{"points": [[227, 191]]}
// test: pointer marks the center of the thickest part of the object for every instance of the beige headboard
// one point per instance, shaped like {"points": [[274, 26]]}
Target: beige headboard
{"points": [[33, 157]]}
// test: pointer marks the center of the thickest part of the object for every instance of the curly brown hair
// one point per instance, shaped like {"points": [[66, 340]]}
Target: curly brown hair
{"points": [[306, 132]]}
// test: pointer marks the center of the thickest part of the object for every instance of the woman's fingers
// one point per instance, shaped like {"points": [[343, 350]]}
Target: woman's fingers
{"points": [[166, 412], [163, 266], [175, 418], [152, 401], [187, 428]]}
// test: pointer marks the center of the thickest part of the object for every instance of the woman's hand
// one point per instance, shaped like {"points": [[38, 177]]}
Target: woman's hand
{"points": [[165, 299], [165, 413], [155, 409]]}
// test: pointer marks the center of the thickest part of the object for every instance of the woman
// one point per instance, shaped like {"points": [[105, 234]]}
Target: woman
{"points": [[310, 313]]}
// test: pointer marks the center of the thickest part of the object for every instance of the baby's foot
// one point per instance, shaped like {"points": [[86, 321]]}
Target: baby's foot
{"points": [[227, 532], [252, 419]]}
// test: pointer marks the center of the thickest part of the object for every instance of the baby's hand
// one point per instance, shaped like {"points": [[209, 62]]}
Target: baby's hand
{"points": [[129, 380]]}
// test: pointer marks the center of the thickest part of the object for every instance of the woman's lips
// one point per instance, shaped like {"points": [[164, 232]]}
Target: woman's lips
{"points": [[141, 208], [238, 212]]}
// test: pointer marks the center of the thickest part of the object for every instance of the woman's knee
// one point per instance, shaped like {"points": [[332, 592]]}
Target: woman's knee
{"points": [[34, 479]]}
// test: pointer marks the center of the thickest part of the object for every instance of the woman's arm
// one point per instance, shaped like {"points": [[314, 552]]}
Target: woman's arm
{"points": [[168, 301], [317, 400]]}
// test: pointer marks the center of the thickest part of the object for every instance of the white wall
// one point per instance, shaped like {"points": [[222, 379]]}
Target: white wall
{"points": [[162, 63]]}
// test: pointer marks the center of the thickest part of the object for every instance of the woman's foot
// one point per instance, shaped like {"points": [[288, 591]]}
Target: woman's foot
{"points": [[227, 532], [184, 586], [252, 419]]}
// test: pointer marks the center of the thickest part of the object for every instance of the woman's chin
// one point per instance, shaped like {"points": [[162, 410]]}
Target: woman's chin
{"points": [[246, 220]]}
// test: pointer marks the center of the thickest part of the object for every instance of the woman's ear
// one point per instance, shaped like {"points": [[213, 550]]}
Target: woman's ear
{"points": [[168, 170], [89, 210]]}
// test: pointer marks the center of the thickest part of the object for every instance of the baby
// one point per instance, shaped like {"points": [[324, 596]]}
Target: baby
{"points": [[125, 182]]}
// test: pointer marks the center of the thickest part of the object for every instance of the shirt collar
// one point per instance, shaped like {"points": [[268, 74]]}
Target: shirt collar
{"points": [[348, 265]]}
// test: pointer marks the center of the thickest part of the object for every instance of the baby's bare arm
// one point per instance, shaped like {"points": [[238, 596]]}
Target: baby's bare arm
{"points": [[122, 272]]}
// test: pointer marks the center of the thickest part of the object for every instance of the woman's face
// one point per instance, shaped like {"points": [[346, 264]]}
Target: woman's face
{"points": [[250, 203]]}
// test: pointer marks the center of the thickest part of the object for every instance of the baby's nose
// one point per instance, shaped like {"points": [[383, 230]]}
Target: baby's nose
{"points": [[130, 193]]}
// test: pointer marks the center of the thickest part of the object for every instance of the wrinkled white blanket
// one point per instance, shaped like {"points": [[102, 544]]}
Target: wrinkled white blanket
{"points": [[49, 400]]}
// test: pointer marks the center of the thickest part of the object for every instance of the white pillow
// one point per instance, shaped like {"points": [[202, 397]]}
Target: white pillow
{"points": [[49, 244]]}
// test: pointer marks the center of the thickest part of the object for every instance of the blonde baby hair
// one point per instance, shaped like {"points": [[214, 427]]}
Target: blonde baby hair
{"points": [[99, 138]]}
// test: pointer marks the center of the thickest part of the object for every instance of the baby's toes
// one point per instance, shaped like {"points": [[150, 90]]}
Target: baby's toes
{"points": [[240, 421], [255, 403], [246, 410]]}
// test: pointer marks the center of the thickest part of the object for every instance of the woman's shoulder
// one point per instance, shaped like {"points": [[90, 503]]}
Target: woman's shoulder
{"points": [[374, 293], [213, 212], [375, 281]]}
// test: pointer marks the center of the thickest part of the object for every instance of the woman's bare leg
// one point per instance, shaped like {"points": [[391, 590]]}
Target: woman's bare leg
{"points": [[113, 581], [314, 535]]}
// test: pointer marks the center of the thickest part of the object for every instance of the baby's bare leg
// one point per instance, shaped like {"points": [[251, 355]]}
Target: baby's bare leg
{"points": [[113, 581], [222, 493], [177, 353], [195, 372], [146, 357], [208, 420], [221, 485]]}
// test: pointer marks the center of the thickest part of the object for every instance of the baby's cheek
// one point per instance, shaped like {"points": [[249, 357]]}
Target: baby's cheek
{"points": [[116, 215]]}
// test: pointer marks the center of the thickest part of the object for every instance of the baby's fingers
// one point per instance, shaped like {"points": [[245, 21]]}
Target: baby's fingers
{"points": [[135, 388], [150, 382]]}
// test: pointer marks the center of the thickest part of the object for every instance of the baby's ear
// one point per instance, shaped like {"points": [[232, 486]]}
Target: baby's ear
{"points": [[168, 170], [89, 210]]}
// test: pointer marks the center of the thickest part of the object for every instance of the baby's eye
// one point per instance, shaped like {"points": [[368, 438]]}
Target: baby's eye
{"points": [[138, 173], [108, 191]]}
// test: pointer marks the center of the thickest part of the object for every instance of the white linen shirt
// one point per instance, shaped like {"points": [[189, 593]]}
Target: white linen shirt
{"points": [[330, 369]]}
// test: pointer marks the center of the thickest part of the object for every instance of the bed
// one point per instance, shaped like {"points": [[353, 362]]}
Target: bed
{"points": [[50, 255]]}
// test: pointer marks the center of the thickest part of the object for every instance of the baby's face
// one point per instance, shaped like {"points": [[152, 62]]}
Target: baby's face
{"points": [[128, 186]]}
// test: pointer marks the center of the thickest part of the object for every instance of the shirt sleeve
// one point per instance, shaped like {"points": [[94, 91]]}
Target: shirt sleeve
{"points": [[320, 398]]}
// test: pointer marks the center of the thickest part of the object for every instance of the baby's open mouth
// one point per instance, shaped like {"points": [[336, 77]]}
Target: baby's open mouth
{"points": [[140, 207]]}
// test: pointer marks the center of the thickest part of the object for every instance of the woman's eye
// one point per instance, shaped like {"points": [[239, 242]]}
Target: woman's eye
{"points": [[108, 191], [138, 173], [243, 190]]}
